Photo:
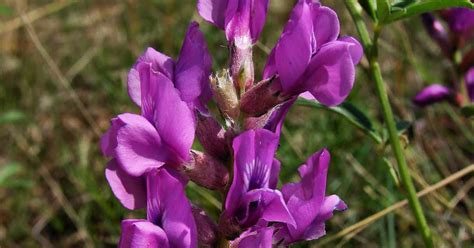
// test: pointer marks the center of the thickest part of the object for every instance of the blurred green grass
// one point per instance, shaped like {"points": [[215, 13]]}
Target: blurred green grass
{"points": [[52, 187]]}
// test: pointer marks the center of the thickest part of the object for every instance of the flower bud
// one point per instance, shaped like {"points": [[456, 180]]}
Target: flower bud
{"points": [[225, 95], [206, 171], [206, 228], [432, 94], [212, 136], [241, 67], [262, 97], [436, 30]]}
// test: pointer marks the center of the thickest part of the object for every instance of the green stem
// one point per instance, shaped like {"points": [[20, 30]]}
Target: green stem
{"points": [[376, 73]]}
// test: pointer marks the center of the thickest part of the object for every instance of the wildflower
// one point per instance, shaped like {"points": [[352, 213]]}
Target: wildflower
{"points": [[432, 94], [252, 196], [189, 74], [308, 203], [469, 79], [167, 93], [169, 222], [308, 57]]}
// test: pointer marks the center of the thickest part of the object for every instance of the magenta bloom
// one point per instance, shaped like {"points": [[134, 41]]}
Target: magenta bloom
{"points": [[241, 19], [189, 74], [310, 57], [308, 203], [460, 21], [252, 196], [436, 30], [432, 94], [470, 83], [169, 222], [163, 134]]}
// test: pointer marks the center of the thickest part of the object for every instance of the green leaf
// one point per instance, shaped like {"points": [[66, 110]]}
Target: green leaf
{"points": [[8, 171], [370, 7], [11, 117], [383, 10], [402, 127], [400, 4], [405, 9], [468, 110], [392, 171], [5, 10], [350, 113]]}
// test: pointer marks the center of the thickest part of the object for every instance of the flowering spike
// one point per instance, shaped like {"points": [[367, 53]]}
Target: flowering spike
{"points": [[261, 98]]}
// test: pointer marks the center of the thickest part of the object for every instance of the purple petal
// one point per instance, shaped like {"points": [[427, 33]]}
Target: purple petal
{"points": [[325, 24], [213, 11], [293, 51], [275, 122], [274, 173], [355, 49], [141, 233], [238, 19], [331, 73], [263, 204], [129, 190], [108, 141], [432, 94], [436, 30], [169, 208], [270, 67], [193, 69], [317, 229], [158, 61], [259, 238], [139, 147], [461, 20], [174, 121], [305, 199], [470, 83], [258, 16], [253, 152]]}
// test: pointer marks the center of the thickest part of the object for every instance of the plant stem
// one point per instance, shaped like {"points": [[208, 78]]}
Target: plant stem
{"points": [[376, 73]]}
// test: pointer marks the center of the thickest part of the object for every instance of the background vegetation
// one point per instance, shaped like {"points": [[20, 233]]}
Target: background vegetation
{"points": [[63, 75]]}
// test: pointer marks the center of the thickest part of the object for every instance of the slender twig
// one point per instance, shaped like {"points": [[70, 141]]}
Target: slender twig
{"points": [[370, 47], [60, 77], [359, 226], [35, 15]]}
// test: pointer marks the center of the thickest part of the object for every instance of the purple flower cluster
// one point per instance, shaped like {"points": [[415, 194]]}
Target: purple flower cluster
{"points": [[451, 38], [151, 153]]}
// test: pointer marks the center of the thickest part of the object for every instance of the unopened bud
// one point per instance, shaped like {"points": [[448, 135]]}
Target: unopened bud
{"points": [[225, 95], [206, 228], [262, 97], [206, 171], [241, 66], [212, 136]]}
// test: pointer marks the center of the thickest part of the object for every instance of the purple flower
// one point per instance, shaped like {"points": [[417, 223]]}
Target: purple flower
{"points": [[169, 222], [460, 21], [470, 83], [307, 202], [190, 73], [257, 237], [242, 20], [309, 56], [432, 94], [252, 197], [167, 92], [436, 30]]}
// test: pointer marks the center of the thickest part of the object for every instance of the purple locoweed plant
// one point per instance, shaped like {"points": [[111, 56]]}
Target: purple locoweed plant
{"points": [[453, 37], [151, 155]]}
